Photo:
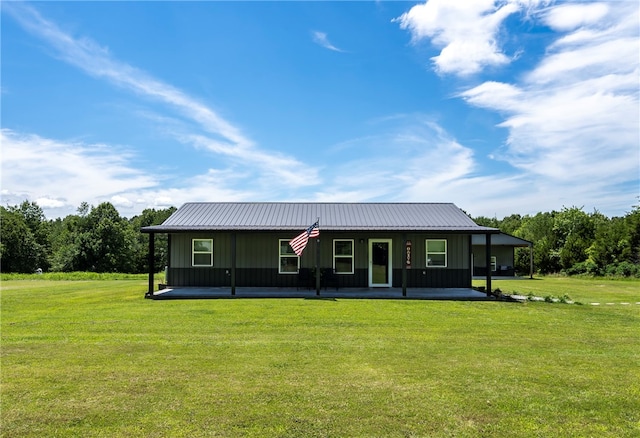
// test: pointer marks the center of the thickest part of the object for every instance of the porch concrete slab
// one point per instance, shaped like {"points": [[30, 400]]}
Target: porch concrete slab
{"points": [[182, 293]]}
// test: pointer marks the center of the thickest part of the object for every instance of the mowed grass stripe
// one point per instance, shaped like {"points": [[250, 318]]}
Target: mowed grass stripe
{"points": [[93, 358]]}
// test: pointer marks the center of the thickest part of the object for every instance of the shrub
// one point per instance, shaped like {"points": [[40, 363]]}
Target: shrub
{"points": [[587, 267], [566, 299], [623, 269]]}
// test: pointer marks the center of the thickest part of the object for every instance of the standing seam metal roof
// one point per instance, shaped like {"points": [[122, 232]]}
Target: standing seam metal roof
{"points": [[264, 216], [502, 239]]}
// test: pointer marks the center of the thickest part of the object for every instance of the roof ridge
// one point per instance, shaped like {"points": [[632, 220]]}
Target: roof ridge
{"points": [[322, 202]]}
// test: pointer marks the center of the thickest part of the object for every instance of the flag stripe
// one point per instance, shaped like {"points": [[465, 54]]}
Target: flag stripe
{"points": [[299, 243]]}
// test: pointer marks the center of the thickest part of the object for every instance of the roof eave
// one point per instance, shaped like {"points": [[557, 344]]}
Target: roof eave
{"points": [[195, 229]]}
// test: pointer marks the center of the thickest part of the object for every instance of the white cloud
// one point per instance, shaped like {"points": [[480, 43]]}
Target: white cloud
{"points": [[321, 39], [571, 16], [49, 203], [465, 31], [121, 201], [64, 174], [272, 166], [60, 175], [573, 120], [425, 161], [215, 134], [163, 202]]}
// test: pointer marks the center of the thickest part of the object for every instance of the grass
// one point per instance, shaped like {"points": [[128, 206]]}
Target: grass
{"points": [[78, 276], [93, 358], [580, 289]]}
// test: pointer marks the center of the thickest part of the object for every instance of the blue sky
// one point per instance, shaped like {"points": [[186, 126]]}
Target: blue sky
{"points": [[514, 106]]}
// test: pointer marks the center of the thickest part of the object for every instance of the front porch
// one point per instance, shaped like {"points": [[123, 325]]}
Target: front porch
{"points": [[184, 293]]}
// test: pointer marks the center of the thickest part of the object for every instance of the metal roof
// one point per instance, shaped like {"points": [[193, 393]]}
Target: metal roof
{"points": [[502, 239], [275, 216]]}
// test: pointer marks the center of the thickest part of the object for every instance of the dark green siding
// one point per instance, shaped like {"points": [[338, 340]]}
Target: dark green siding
{"points": [[257, 260], [504, 257]]}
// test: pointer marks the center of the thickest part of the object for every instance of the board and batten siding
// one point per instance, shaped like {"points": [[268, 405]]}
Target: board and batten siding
{"points": [[181, 249], [257, 259], [505, 260]]}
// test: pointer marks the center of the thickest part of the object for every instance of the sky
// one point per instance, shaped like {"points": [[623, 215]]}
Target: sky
{"points": [[501, 107]]}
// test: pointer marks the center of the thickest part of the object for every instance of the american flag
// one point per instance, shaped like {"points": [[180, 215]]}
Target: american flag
{"points": [[299, 243]]}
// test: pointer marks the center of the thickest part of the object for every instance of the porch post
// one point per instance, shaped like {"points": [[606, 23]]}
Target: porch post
{"points": [[167, 279], [151, 261], [404, 266], [318, 266], [531, 260], [488, 261], [233, 263]]}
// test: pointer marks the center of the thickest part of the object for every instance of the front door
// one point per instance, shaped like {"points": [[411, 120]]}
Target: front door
{"points": [[380, 263]]}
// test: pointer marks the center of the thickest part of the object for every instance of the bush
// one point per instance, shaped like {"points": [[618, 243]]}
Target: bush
{"points": [[566, 299], [588, 267], [623, 269]]}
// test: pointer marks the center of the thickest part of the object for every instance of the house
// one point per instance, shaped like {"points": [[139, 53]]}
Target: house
{"points": [[246, 244], [502, 255]]}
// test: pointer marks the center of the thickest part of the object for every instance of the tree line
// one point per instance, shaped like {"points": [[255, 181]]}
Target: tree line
{"points": [[95, 239], [98, 239], [572, 241]]}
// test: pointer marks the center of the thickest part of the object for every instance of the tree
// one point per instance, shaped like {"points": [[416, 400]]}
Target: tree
{"points": [[107, 242], [36, 241], [19, 250], [539, 229], [65, 241], [632, 222], [99, 240], [574, 232], [610, 246], [487, 222], [150, 217]]}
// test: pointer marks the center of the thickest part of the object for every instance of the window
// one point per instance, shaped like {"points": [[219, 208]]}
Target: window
{"points": [[202, 253], [436, 253], [494, 264], [289, 261], [343, 256]]}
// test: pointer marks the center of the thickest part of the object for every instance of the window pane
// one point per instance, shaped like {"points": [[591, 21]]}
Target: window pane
{"points": [[288, 264], [436, 260], [202, 259], [285, 248], [343, 247], [344, 265], [202, 245], [436, 245]]}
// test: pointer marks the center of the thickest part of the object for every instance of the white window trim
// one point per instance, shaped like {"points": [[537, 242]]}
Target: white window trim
{"points": [[353, 248], [280, 256], [494, 264], [446, 255], [193, 253]]}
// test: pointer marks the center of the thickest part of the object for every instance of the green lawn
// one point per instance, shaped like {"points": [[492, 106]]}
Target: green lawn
{"points": [[93, 358], [584, 290]]}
